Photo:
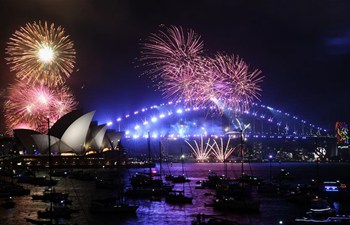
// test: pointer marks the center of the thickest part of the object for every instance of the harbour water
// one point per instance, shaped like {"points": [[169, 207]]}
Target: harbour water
{"points": [[273, 209]]}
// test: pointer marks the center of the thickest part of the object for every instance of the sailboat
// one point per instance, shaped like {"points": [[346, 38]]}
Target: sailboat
{"points": [[50, 194], [178, 196], [112, 205], [321, 212], [58, 211], [144, 185], [179, 178], [237, 197]]}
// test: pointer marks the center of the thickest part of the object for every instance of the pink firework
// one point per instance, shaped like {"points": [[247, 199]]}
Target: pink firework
{"points": [[188, 84], [29, 106], [182, 73], [174, 61], [236, 86]]}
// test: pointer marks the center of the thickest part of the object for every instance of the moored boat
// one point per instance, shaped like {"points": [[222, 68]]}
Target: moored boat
{"points": [[321, 212], [112, 206], [178, 197], [51, 195], [231, 204]]}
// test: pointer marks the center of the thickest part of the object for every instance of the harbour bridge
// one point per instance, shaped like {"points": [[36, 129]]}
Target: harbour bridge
{"points": [[264, 127], [173, 120]]}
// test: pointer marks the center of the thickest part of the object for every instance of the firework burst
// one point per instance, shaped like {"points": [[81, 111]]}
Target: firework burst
{"points": [[41, 53], [29, 106], [182, 72], [236, 87], [200, 151], [221, 152], [174, 61]]}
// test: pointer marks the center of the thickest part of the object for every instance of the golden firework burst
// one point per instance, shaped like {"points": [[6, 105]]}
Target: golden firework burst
{"points": [[42, 53]]}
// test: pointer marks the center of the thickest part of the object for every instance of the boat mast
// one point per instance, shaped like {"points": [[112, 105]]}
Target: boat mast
{"points": [[160, 158], [183, 171], [149, 153], [242, 160], [50, 173], [182, 162]]}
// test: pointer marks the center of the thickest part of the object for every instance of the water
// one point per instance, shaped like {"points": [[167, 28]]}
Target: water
{"points": [[273, 209]]}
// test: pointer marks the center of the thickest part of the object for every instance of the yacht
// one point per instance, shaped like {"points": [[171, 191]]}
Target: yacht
{"points": [[178, 197], [321, 213], [112, 206]]}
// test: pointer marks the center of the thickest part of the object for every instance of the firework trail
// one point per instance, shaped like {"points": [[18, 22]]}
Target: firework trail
{"points": [[29, 106], [41, 53], [201, 152], [221, 152]]}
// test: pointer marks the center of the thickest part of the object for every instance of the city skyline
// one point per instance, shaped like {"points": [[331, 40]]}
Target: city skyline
{"points": [[301, 48]]}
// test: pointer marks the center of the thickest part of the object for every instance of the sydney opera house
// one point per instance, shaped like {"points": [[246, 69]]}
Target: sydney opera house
{"points": [[74, 140]]}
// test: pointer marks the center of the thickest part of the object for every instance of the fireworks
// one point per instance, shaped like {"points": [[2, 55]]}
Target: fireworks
{"points": [[201, 152], [221, 152], [42, 56], [238, 86], [41, 53], [175, 63], [29, 106], [181, 71]]}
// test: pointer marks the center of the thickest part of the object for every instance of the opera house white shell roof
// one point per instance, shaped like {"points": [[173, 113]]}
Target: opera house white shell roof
{"points": [[77, 136]]}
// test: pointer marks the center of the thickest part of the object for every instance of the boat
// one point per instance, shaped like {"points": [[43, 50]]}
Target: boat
{"points": [[148, 192], [39, 222], [178, 197], [145, 184], [112, 205], [46, 222], [321, 212], [50, 194], [214, 179], [274, 189], [249, 179], [283, 175], [335, 191], [199, 185], [57, 212], [235, 195], [231, 204], [232, 188], [202, 219], [178, 178], [338, 219]]}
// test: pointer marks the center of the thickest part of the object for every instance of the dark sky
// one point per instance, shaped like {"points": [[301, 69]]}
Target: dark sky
{"points": [[302, 48]]}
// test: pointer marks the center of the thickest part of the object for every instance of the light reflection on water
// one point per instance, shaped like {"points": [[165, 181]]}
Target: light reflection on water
{"points": [[154, 212]]}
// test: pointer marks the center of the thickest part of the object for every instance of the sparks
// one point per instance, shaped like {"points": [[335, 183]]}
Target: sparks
{"points": [[41, 53], [28, 106]]}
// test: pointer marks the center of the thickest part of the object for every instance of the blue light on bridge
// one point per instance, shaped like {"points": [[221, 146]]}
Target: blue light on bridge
{"points": [[263, 122]]}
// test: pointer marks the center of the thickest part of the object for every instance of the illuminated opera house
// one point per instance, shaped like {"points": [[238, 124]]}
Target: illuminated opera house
{"points": [[73, 140]]}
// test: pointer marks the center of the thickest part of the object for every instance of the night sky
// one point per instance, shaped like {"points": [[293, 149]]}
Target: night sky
{"points": [[302, 48]]}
